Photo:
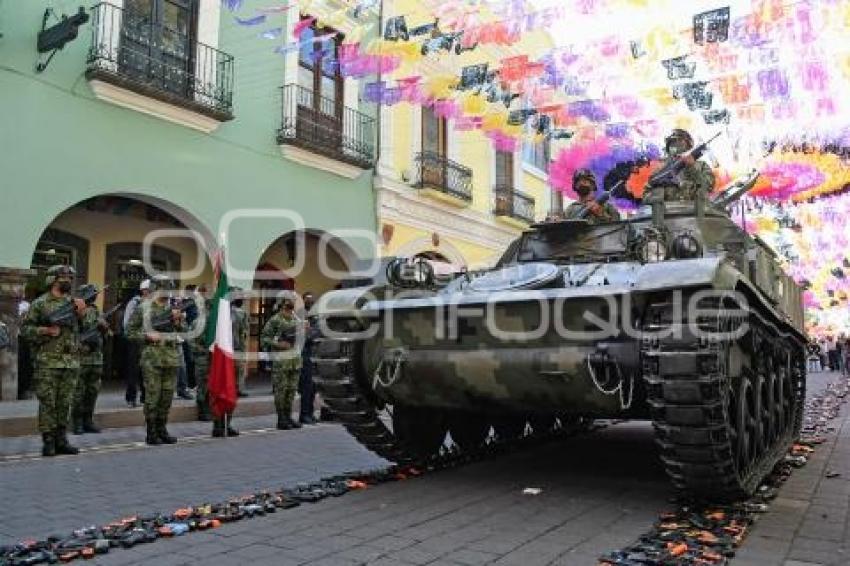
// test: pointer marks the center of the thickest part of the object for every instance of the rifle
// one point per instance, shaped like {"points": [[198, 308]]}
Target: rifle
{"points": [[66, 315], [93, 337], [665, 174], [601, 199], [164, 321]]}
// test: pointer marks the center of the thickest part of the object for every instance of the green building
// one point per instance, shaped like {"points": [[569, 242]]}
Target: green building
{"points": [[165, 115]]}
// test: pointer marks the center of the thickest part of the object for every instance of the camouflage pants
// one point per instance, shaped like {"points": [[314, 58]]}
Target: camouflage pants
{"points": [[159, 391], [54, 388], [284, 383], [240, 375], [88, 387], [202, 369]]}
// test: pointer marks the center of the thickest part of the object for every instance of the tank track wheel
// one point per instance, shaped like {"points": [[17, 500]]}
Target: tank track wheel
{"points": [[710, 398]]}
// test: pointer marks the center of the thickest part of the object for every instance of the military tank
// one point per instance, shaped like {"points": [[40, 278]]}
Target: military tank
{"points": [[675, 315]]}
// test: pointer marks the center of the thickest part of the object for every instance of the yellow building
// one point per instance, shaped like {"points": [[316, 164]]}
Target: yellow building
{"points": [[448, 194]]}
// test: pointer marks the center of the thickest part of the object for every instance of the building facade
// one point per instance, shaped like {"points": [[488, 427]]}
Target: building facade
{"points": [[162, 116], [447, 193]]}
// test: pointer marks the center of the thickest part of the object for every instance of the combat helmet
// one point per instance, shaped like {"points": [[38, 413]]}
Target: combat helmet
{"points": [[161, 282], [679, 134], [54, 272], [89, 291]]}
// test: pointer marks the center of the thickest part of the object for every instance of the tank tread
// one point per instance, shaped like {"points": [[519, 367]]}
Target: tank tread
{"points": [[688, 391]]}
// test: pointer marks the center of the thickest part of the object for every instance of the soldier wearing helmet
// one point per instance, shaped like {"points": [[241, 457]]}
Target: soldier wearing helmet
{"points": [[52, 327], [584, 185], [160, 356], [694, 179], [279, 337], [92, 328]]}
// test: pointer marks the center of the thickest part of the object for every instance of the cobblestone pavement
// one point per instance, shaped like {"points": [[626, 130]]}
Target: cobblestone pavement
{"points": [[599, 492]]}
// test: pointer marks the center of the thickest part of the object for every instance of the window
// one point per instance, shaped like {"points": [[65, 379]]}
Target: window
{"points": [[318, 72], [157, 42], [504, 169], [434, 133], [536, 152]]}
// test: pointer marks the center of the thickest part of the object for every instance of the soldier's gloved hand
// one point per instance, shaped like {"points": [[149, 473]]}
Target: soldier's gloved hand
{"points": [[80, 305], [153, 337], [284, 345], [688, 160], [595, 208], [49, 331]]}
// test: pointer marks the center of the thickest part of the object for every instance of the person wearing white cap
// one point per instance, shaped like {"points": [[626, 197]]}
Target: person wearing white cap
{"points": [[132, 371]]}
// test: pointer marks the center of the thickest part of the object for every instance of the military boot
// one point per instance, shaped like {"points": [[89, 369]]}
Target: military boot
{"points": [[88, 423], [283, 423], [218, 428], [232, 431], [76, 423], [152, 437], [48, 447], [163, 434], [62, 444]]}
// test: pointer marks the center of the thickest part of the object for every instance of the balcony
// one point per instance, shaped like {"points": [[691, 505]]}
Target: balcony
{"points": [[147, 66], [513, 205], [443, 178], [321, 126]]}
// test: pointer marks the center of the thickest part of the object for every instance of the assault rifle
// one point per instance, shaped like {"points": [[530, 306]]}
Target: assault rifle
{"points": [[66, 315], [164, 321], [736, 190], [92, 337], [666, 175], [601, 199]]}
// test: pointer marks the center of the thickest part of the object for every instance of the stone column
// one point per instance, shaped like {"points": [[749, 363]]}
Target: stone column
{"points": [[12, 282]]}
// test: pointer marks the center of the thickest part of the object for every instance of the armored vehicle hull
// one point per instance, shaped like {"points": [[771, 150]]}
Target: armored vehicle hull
{"points": [[578, 322]]}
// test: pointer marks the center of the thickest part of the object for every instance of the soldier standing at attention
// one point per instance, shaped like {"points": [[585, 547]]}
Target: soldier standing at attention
{"points": [[52, 328], [584, 184], [278, 339], [201, 354], [695, 177], [239, 320], [92, 330], [149, 326]]}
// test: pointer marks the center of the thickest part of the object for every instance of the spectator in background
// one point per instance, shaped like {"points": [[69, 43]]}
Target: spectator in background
{"points": [[814, 356], [306, 387], [133, 371], [832, 353], [823, 348], [24, 357], [191, 313]]}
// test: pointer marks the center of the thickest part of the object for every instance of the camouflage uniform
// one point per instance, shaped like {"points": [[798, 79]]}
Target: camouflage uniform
{"points": [[91, 373], [239, 320], [201, 357], [57, 364], [160, 362], [285, 371], [688, 183], [609, 212]]}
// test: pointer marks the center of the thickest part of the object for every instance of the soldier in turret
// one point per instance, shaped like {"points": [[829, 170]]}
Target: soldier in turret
{"points": [[52, 327], [693, 179], [584, 185], [160, 358]]}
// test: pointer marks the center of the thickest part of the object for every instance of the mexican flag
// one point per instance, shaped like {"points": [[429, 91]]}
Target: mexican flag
{"points": [[219, 337]]}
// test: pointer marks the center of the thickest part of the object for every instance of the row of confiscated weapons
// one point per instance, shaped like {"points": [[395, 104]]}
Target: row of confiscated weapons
{"points": [[128, 532], [709, 535]]}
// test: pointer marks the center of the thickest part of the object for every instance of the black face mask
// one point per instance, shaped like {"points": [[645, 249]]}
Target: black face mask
{"points": [[583, 190], [65, 286]]}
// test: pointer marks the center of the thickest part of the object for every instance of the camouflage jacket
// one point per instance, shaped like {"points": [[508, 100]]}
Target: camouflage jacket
{"points": [[691, 180], [91, 353], [165, 353], [198, 343], [61, 351], [271, 335], [609, 212], [239, 320]]}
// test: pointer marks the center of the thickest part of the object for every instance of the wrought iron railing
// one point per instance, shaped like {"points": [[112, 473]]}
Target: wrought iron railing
{"points": [[323, 125], [436, 171], [514, 204], [133, 52]]}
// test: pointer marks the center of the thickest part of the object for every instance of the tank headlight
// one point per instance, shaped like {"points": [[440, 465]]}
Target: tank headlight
{"points": [[685, 246], [652, 250]]}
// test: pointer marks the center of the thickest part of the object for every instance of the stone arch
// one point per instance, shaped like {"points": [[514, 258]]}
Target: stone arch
{"points": [[426, 245]]}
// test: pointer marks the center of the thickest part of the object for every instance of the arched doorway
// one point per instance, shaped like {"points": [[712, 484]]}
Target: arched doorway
{"points": [[102, 238]]}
